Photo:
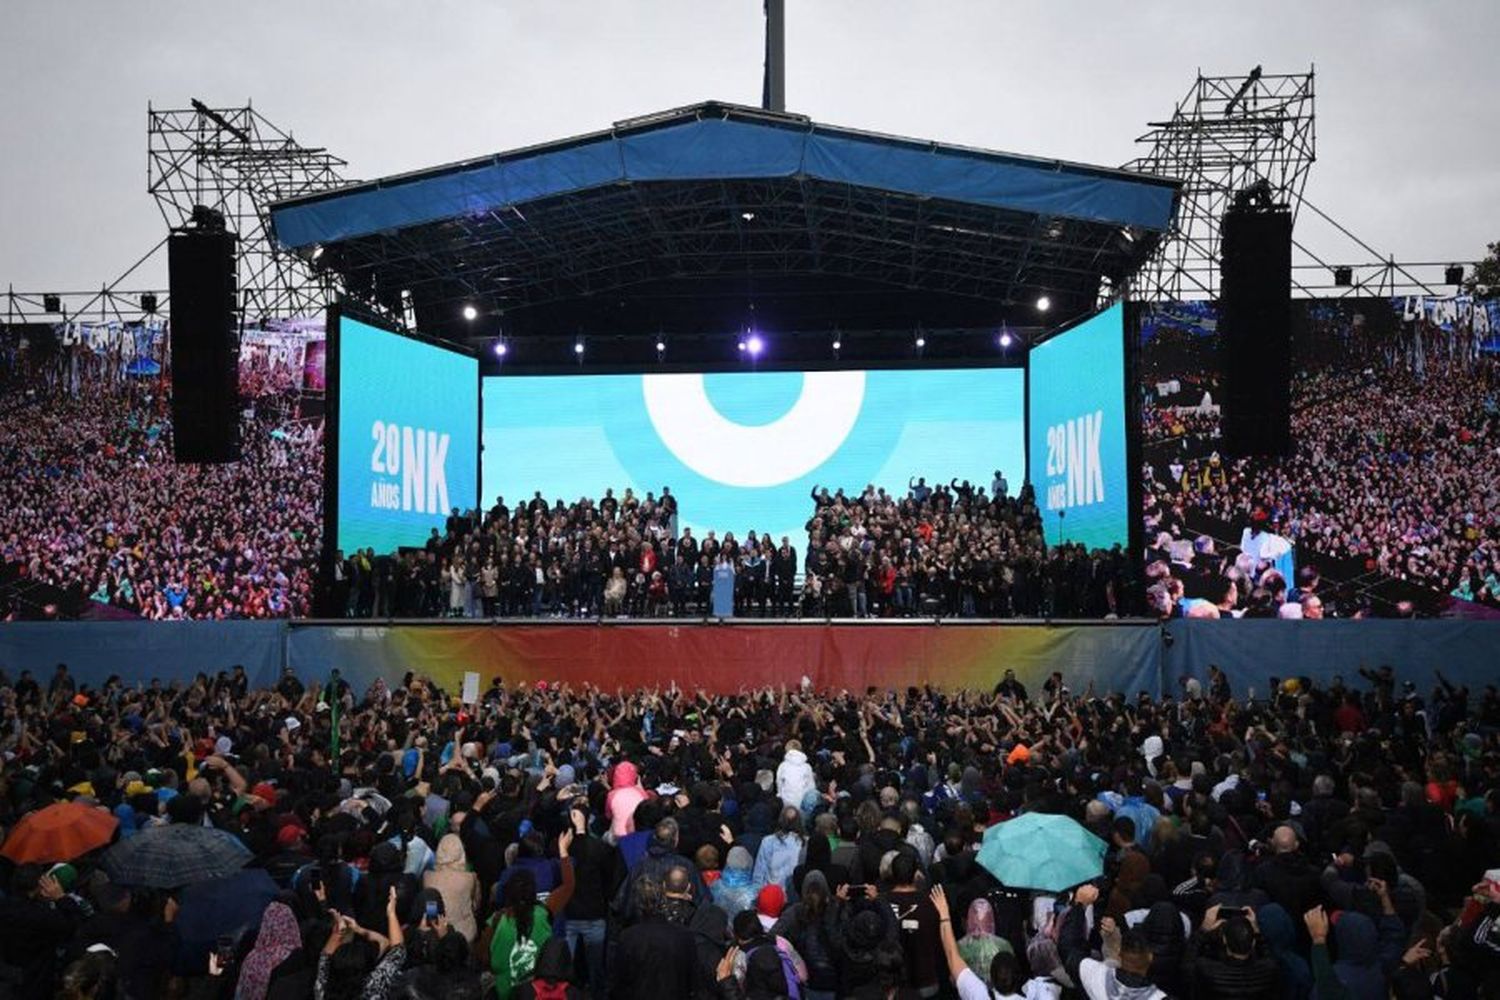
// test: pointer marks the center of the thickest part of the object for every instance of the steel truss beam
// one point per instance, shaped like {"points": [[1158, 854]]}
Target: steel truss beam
{"points": [[1227, 134], [623, 235], [237, 161]]}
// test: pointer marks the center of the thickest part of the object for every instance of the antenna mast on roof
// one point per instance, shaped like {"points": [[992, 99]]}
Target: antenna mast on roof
{"points": [[773, 87]]}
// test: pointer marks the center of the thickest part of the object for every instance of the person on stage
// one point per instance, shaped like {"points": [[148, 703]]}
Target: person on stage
{"points": [[722, 597]]}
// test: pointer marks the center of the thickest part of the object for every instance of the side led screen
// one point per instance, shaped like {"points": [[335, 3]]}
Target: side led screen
{"points": [[1077, 432], [408, 427]]}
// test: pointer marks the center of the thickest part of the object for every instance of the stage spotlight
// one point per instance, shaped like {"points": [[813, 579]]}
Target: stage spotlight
{"points": [[1043, 303], [470, 313], [52, 303], [754, 345], [578, 347], [1343, 277], [741, 344], [148, 302], [500, 348], [1453, 274], [1006, 340], [921, 341], [837, 344], [661, 346], [748, 216], [317, 252]]}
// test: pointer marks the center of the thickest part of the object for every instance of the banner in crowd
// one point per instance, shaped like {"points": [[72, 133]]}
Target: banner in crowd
{"points": [[1450, 313]]}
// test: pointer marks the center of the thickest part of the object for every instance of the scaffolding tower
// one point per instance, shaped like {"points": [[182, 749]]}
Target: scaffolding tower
{"points": [[1228, 134], [238, 162]]}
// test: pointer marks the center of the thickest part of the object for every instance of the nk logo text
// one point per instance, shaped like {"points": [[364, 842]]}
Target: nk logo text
{"points": [[1075, 473], [411, 464]]}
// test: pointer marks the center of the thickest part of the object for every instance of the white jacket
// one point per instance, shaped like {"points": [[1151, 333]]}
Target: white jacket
{"points": [[794, 779]]}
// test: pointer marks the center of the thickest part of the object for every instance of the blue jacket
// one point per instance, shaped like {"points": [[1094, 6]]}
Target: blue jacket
{"points": [[778, 856]]}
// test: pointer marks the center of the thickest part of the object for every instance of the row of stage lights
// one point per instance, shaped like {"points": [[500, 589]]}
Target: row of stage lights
{"points": [[753, 345]]}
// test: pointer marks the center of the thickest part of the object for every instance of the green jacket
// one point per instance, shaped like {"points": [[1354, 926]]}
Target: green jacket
{"points": [[512, 959]]}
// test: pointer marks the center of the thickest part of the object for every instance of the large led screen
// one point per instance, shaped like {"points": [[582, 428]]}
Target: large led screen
{"points": [[1077, 432], [742, 451], [408, 428]]}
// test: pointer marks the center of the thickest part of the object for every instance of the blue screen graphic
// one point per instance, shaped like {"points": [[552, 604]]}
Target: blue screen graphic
{"points": [[1078, 432], [741, 451], [408, 427]]}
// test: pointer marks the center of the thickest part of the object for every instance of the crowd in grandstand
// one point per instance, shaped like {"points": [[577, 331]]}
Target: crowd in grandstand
{"points": [[951, 550], [1400, 471], [93, 503], [1182, 430], [557, 842]]}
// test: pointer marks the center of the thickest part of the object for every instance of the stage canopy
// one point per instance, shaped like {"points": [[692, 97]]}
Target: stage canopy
{"points": [[696, 216]]}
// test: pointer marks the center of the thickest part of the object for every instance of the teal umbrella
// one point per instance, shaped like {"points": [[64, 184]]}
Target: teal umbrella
{"points": [[1042, 851]]}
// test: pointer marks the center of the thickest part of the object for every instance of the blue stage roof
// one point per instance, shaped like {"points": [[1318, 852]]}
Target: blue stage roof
{"points": [[720, 142], [679, 221]]}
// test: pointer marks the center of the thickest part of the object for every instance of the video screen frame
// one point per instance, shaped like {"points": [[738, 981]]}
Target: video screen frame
{"points": [[337, 312]]}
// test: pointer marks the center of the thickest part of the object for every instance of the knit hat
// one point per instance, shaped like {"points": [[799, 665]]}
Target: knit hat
{"points": [[1019, 754], [566, 776], [66, 875], [771, 901], [739, 858]]}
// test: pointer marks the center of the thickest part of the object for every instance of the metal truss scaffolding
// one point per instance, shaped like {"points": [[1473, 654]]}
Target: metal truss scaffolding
{"points": [[238, 162], [1229, 133]]}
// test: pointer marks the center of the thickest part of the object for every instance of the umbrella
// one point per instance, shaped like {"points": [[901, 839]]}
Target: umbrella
{"points": [[224, 906], [60, 832], [166, 857], [1042, 851], [220, 907]]}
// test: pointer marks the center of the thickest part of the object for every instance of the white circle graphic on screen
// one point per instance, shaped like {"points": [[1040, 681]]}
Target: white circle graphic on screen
{"points": [[787, 448]]}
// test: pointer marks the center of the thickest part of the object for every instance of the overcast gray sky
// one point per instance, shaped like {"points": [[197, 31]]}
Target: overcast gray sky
{"points": [[1408, 136]]}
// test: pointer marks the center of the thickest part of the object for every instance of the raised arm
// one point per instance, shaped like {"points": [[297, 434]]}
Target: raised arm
{"points": [[956, 964], [560, 896], [393, 933]]}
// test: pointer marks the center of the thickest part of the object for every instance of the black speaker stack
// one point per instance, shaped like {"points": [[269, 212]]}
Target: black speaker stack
{"points": [[1255, 320], [204, 340]]}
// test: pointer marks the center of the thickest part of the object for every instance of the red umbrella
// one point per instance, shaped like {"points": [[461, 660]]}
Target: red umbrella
{"points": [[60, 832]]}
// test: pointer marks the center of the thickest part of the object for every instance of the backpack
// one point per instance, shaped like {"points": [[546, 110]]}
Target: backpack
{"points": [[793, 986], [544, 989]]}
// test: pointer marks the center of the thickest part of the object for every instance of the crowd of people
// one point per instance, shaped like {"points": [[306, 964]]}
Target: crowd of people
{"points": [[954, 551], [92, 503], [950, 550], [1400, 471], [550, 841]]}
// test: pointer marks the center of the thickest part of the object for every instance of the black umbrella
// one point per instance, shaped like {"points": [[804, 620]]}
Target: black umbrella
{"points": [[167, 857], [220, 907]]}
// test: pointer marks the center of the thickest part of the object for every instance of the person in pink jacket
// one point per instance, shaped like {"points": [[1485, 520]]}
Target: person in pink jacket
{"points": [[624, 795]]}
